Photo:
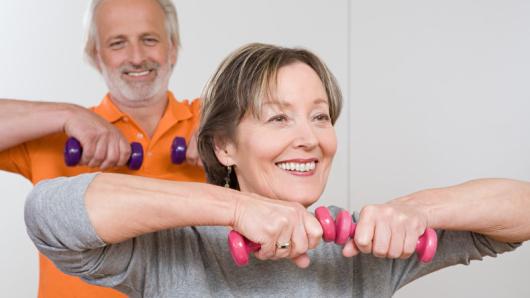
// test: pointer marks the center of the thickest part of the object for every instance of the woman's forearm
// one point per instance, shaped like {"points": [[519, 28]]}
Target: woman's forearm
{"points": [[82, 214], [497, 208], [121, 207]]}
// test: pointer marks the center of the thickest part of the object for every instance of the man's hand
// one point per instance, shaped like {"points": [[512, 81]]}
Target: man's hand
{"points": [[103, 144], [192, 153]]}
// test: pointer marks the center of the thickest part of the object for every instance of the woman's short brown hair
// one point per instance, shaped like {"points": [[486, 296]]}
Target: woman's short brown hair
{"points": [[239, 86]]}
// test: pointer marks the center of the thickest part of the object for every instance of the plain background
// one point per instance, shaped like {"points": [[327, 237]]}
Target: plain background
{"points": [[436, 93]]}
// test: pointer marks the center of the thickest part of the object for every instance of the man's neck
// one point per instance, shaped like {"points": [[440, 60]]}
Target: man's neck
{"points": [[146, 113]]}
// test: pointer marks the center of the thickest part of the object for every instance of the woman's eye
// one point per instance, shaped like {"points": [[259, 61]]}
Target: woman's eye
{"points": [[322, 117], [278, 118]]}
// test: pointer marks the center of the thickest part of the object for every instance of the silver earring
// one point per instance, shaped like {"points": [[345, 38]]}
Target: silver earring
{"points": [[227, 178]]}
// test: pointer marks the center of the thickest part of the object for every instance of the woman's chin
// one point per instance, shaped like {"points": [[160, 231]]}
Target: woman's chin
{"points": [[305, 199]]}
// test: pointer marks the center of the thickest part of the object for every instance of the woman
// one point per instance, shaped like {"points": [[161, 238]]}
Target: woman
{"points": [[267, 130]]}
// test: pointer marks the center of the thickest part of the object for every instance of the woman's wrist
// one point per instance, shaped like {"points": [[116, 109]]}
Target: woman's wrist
{"points": [[430, 203]]}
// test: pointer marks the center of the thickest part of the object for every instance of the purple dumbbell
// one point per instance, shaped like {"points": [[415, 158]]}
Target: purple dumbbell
{"points": [[137, 156], [73, 152], [178, 150]]}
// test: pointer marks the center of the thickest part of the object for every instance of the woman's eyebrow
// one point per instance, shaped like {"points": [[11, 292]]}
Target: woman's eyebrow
{"points": [[285, 104]]}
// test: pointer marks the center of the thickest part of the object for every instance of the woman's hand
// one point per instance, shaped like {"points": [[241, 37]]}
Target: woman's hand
{"points": [[388, 230], [270, 222]]}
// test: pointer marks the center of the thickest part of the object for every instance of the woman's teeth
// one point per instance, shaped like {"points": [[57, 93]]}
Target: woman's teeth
{"points": [[299, 167]]}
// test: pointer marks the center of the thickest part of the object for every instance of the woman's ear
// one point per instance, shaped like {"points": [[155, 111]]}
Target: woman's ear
{"points": [[225, 152]]}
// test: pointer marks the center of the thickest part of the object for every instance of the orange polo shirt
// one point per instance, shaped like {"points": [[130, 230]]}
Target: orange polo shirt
{"points": [[43, 159]]}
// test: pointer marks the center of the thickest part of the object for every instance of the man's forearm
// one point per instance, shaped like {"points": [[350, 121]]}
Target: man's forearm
{"points": [[21, 121], [498, 208]]}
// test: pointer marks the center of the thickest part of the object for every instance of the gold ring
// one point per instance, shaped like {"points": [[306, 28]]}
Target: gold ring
{"points": [[283, 245]]}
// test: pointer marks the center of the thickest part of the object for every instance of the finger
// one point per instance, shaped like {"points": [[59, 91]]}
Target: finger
{"points": [[350, 249], [278, 233], [199, 163], [381, 241], [113, 155], [364, 234], [100, 153], [89, 148], [125, 151], [397, 240], [409, 245], [286, 237], [313, 230], [192, 153], [192, 157], [302, 261], [267, 251], [299, 241]]}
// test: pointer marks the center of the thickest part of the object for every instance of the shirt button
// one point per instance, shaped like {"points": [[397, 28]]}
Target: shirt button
{"points": [[139, 136], [149, 154]]}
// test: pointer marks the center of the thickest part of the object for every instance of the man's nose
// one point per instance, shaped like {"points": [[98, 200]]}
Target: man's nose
{"points": [[136, 54]]}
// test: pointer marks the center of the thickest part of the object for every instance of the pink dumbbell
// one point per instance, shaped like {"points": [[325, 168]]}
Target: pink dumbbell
{"points": [[339, 231], [345, 229], [240, 247]]}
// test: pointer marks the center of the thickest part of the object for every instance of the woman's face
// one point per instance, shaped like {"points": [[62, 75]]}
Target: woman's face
{"points": [[286, 153]]}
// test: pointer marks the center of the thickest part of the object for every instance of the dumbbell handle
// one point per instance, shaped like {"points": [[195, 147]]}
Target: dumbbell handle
{"points": [[73, 152]]}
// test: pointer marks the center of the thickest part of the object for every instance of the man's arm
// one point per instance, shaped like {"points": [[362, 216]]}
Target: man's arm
{"points": [[22, 121]]}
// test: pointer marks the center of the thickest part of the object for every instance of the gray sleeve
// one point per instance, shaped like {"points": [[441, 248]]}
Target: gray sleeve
{"points": [[454, 247], [58, 224]]}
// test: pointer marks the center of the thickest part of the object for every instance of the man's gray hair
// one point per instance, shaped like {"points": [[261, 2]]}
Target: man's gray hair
{"points": [[171, 21]]}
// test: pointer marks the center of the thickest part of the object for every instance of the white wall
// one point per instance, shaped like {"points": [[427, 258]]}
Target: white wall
{"points": [[435, 91]]}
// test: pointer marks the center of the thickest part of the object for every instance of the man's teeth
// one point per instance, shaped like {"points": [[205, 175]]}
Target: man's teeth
{"points": [[138, 74], [299, 167]]}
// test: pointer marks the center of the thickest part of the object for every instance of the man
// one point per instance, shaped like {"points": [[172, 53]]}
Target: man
{"points": [[134, 45]]}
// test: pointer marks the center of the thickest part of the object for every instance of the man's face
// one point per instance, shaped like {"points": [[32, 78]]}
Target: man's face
{"points": [[135, 54]]}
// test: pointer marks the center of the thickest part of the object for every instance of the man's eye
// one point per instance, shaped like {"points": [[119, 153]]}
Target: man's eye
{"points": [[116, 44], [150, 41]]}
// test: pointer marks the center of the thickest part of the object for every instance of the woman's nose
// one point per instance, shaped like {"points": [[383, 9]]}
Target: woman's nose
{"points": [[305, 136]]}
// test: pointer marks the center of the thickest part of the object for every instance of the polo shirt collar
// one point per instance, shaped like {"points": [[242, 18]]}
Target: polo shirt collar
{"points": [[175, 111], [108, 110], [179, 110]]}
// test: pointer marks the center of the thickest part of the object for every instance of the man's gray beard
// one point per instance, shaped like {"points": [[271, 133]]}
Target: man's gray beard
{"points": [[139, 91]]}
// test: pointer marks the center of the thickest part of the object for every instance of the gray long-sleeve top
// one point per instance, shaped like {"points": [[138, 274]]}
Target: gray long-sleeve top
{"points": [[195, 261]]}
